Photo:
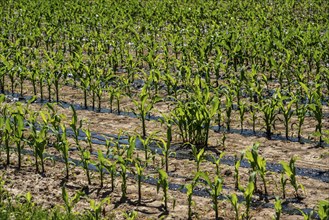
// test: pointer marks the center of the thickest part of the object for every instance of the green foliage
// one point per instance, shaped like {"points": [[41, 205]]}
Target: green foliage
{"points": [[290, 171], [258, 164], [95, 211], [144, 106], [278, 208], [204, 54], [248, 193], [237, 163], [199, 156], [269, 109], [234, 202], [139, 171], [214, 190], [69, 203], [189, 191], [164, 184], [193, 116], [323, 209]]}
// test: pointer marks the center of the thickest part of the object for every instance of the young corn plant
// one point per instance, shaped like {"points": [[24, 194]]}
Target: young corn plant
{"points": [[199, 156], [111, 93], [242, 111], [88, 139], [283, 182], [146, 142], [144, 106], [110, 167], [85, 160], [118, 95], [7, 137], [96, 208], [287, 112], [215, 190], [290, 171], [316, 109], [131, 148], [31, 140], [248, 193], [237, 163], [315, 106], [18, 128], [233, 199], [69, 203], [100, 165], [40, 143], [323, 209], [83, 152], [258, 164], [228, 107], [139, 170], [63, 148], [189, 191], [165, 146], [84, 77], [278, 208], [75, 126], [301, 110], [269, 109], [164, 184], [123, 173], [216, 161]]}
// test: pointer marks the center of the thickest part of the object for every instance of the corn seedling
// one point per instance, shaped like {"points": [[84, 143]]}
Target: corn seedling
{"points": [[216, 161], [242, 111], [18, 128], [215, 190], [88, 138], [199, 156], [257, 163], [100, 165], [95, 211], [70, 202], [228, 108], [278, 208], [123, 173], [41, 141], [301, 110], [111, 168], [165, 146], [189, 191], [269, 108], [75, 126], [248, 193], [323, 209], [237, 163], [287, 112], [164, 184], [283, 182], [290, 171], [143, 107], [233, 199], [63, 148], [139, 171], [85, 160]]}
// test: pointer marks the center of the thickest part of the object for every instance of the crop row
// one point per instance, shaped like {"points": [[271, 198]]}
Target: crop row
{"points": [[119, 158]]}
